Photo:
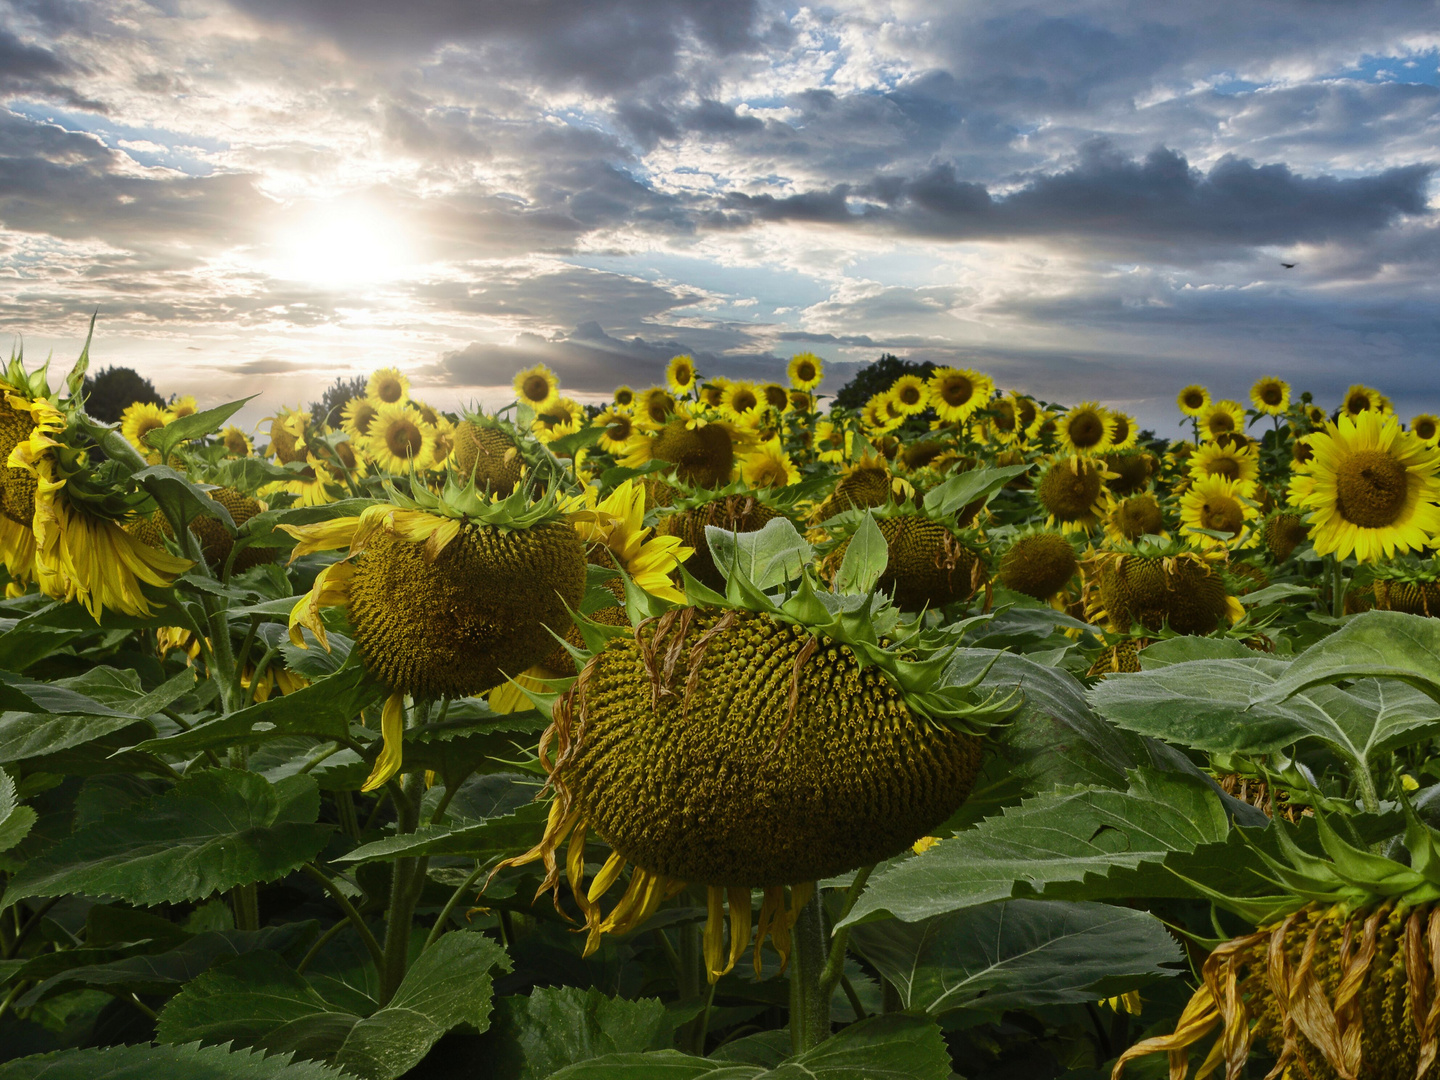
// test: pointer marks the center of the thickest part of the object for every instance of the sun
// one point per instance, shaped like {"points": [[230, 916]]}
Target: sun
{"points": [[341, 244]]}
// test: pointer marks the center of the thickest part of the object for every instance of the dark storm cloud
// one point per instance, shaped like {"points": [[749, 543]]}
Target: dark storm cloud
{"points": [[1113, 199], [603, 44], [37, 72]]}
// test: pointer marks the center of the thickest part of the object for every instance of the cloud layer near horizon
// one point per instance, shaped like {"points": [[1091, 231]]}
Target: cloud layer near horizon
{"points": [[1089, 200]]}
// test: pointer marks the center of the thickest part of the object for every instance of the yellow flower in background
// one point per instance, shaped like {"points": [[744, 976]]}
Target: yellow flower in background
{"points": [[141, 418], [616, 524], [1271, 395], [237, 443], [1123, 432], [806, 370], [617, 427], [357, 416], [1215, 504], [1221, 418], [769, 466], [1238, 464], [287, 435], [741, 399], [712, 394], [1426, 428], [775, 396], [909, 394], [1193, 400], [680, 375], [1371, 488], [955, 393], [387, 387], [183, 406], [314, 485], [1360, 399], [399, 440], [656, 406], [537, 387], [833, 442], [624, 397], [878, 416], [1085, 429]]}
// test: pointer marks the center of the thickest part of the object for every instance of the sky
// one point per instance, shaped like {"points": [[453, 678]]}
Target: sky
{"points": [[1087, 199]]}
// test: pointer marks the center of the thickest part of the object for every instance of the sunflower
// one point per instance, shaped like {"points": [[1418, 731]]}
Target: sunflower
{"points": [[1283, 533], [1157, 586], [1072, 491], [236, 442], [702, 450], [443, 429], [314, 485], [832, 442], [1271, 396], [624, 397], [1216, 504], [1132, 469], [864, 483], [655, 407], [216, 542], [769, 466], [802, 401], [1360, 399], [141, 418], [1039, 565], [1193, 400], [183, 406], [387, 387], [288, 429], [537, 387], [775, 396], [487, 455], [878, 416], [927, 566], [1128, 520], [806, 370], [1221, 418], [741, 399], [357, 417], [712, 393], [1028, 416], [614, 532], [1123, 432], [729, 513], [1371, 488], [563, 413], [909, 394], [617, 428], [680, 375], [1223, 459], [955, 393], [445, 596], [1426, 428], [399, 440], [1085, 429]]}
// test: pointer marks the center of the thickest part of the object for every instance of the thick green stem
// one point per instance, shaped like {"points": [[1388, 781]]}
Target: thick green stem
{"points": [[835, 963], [444, 916], [377, 955], [809, 1011], [1369, 797], [245, 900], [1337, 588], [404, 895]]}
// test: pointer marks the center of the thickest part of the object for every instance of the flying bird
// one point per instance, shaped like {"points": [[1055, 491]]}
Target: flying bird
{"points": [[1288, 266]]}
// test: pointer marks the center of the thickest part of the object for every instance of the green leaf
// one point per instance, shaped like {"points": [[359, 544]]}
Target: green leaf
{"points": [[19, 694], [163, 1063], [866, 557], [1232, 706], [15, 820], [1178, 650], [180, 498], [449, 985], [194, 426], [553, 1028], [890, 1047], [768, 557], [494, 837], [1377, 645], [213, 830], [1018, 954], [960, 491], [1052, 839], [323, 709]]}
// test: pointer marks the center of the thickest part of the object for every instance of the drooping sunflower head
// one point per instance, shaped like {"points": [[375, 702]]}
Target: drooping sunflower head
{"points": [[1085, 429], [656, 406], [1193, 400], [236, 442], [1215, 504], [909, 394], [1071, 490], [865, 483], [927, 566], [1132, 469], [1371, 488], [1283, 532], [358, 416], [288, 430], [1360, 398], [956, 393], [141, 418], [1157, 585], [1039, 564], [775, 396], [399, 440], [387, 387], [806, 370], [1129, 519], [739, 513], [17, 424], [703, 452], [680, 375], [216, 543], [1221, 418], [1271, 396], [537, 387], [1426, 428]]}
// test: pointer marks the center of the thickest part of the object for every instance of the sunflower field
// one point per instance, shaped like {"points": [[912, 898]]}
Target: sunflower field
{"points": [[719, 733]]}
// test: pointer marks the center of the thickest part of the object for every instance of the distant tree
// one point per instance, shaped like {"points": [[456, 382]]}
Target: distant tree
{"points": [[328, 409], [873, 378], [110, 391]]}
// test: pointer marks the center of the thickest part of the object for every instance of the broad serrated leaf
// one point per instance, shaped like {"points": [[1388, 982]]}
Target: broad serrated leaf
{"points": [[194, 426], [890, 1047], [180, 498], [19, 694], [16, 821], [1178, 650], [768, 557], [1056, 838], [499, 836], [449, 985], [30, 735], [866, 557], [1377, 645], [961, 490], [189, 1062], [213, 830], [553, 1028], [1018, 954]]}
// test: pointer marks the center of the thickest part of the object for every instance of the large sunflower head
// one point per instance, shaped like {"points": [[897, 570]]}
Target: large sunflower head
{"points": [[387, 387], [399, 440], [956, 393], [1086, 429], [1193, 400], [1370, 487], [1155, 586], [1221, 418], [1039, 564], [680, 375], [1072, 492], [806, 370], [927, 565], [1270, 395], [1216, 505], [537, 387]]}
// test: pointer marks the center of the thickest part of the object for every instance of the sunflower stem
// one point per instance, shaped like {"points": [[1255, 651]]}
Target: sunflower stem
{"points": [[835, 962], [403, 892], [809, 1010], [1337, 588]]}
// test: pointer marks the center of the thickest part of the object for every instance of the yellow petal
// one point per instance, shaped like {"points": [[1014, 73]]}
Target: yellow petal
{"points": [[392, 730]]}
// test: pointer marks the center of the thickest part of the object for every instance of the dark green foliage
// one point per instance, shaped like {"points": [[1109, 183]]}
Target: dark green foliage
{"points": [[873, 378], [337, 395], [113, 389]]}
